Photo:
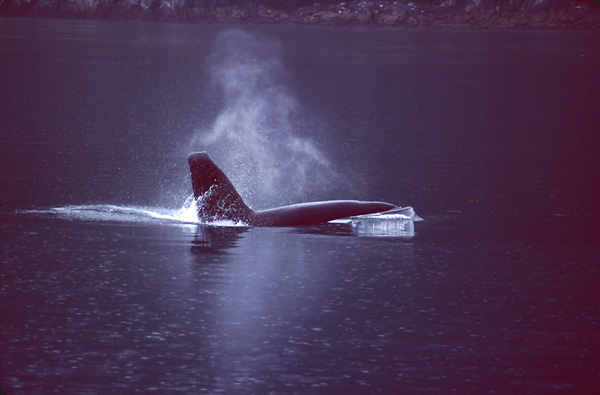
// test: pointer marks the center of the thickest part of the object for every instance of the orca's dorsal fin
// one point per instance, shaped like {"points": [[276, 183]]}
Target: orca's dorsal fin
{"points": [[215, 195]]}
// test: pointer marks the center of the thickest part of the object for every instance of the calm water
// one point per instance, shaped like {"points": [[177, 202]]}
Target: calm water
{"points": [[490, 135]]}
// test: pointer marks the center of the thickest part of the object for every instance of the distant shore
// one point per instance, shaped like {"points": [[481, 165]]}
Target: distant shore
{"points": [[528, 14]]}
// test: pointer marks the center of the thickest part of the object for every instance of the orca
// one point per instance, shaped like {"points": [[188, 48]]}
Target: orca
{"points": [[217, 199]]}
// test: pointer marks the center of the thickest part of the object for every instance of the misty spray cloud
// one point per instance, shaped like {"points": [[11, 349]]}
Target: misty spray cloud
{"points": [[259, 137]]}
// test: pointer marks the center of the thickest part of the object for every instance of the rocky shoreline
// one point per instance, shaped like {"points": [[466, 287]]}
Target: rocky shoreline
{"points": [[544, 14]]}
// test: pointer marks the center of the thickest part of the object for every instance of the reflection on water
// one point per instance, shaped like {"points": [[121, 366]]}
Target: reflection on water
{"points": [[210, 239], [291, 304]]}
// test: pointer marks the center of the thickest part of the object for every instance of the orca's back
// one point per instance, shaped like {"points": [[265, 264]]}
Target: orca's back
{"points": [[216, 196]]}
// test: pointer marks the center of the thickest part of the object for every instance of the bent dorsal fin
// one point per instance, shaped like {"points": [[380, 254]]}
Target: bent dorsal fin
{"points": [[215, 194]]}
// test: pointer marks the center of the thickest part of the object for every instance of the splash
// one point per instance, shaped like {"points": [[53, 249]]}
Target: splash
{"points": [[185, 215], [259, 137]]}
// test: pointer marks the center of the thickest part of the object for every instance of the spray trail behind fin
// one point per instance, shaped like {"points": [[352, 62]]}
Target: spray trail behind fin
{"points": [[216, 196]]}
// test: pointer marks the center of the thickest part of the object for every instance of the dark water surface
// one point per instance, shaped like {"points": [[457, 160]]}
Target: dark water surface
{"points": [[490, 135]]}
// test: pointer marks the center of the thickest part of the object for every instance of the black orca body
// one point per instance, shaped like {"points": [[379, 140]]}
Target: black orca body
{"points": [[218, 200]]}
